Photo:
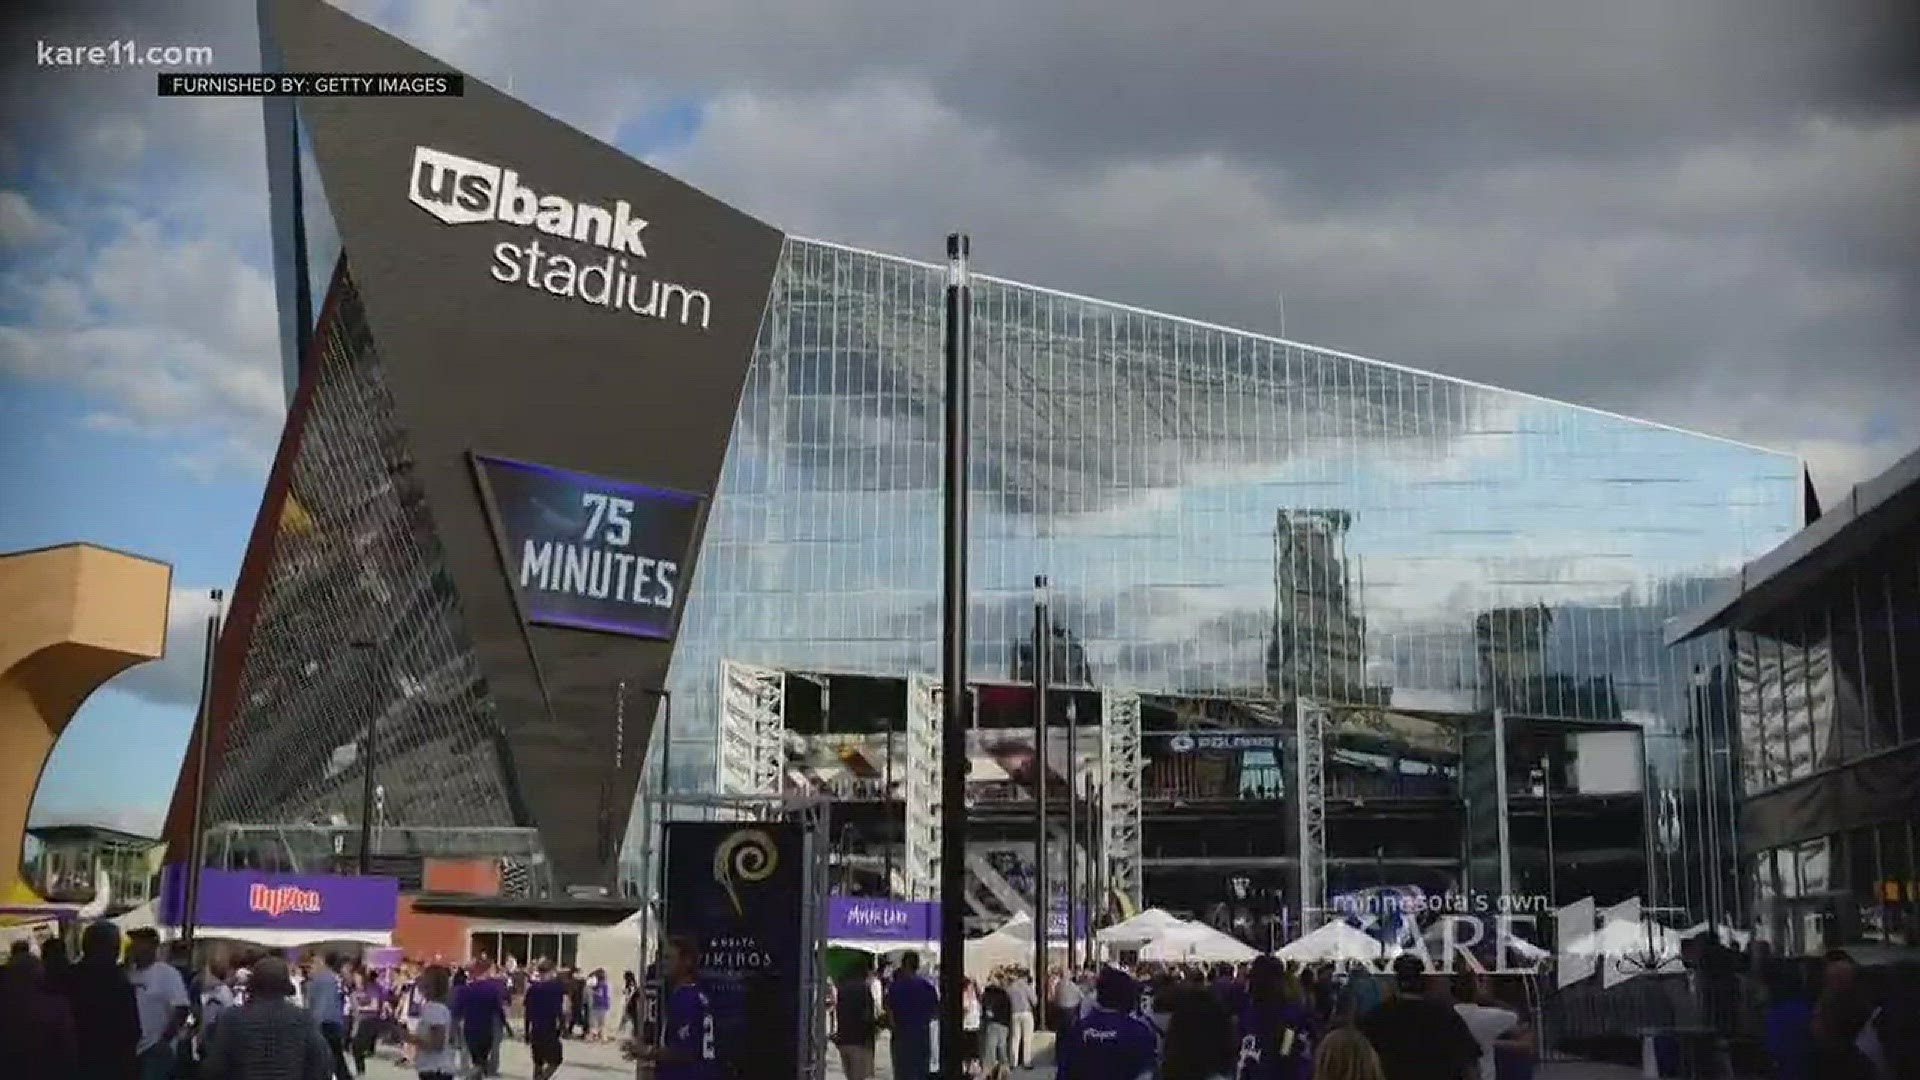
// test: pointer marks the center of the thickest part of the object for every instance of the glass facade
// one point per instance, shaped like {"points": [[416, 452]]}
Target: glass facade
{"points": [[1828, 739], [1835, 676], [1859, 886], [1219, 514]]}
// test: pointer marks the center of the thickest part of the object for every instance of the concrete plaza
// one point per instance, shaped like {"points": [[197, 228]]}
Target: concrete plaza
{"points": [[601, 1061]]}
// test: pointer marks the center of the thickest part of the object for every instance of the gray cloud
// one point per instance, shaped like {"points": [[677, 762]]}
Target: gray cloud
{"points": [[175, 678], [1703, 213]]}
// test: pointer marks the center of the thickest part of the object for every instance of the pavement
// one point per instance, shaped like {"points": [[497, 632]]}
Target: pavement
{"points": [[602, 1061]]}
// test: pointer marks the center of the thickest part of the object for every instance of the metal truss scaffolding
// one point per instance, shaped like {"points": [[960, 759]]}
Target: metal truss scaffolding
{"points": [[753, 730], [922, 786], [1310, 741], [1119, 857]]}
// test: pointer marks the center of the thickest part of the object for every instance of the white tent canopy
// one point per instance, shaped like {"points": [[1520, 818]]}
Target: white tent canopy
{"points": [[1645, 944], [1728, 935], [1011, 944], [143, 917], [1336, 942], [614, 949], [1141, 928], [285, 939], [1196, 942]]}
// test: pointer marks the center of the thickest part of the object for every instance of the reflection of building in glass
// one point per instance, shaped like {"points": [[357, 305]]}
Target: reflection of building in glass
{"points": [[1320, 640], [1815, 729], [1066, 659]]}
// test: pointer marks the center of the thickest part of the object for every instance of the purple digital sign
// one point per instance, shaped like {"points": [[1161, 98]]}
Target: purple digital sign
{"points": [[591, 552], [259, 900]]}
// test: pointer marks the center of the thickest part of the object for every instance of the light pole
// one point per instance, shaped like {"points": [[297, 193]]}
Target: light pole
{"points": [[364, 648], [1073, 836], [1042, 885], [953, 729], [1710, 860], [1546, 791], [203, 723]]}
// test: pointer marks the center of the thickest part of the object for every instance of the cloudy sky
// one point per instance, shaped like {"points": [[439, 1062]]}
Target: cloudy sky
{"points": [[1704, 212]]}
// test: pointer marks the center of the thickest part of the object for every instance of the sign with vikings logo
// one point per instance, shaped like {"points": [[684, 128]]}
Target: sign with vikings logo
{"points": [[737, 888]]}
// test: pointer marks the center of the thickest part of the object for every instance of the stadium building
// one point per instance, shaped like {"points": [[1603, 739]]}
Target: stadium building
{"points": [[1319, 623]]}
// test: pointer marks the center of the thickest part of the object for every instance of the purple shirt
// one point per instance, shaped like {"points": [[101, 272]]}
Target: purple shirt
{"points": [[545, 1004], [1107, 1045], [912, 1000], [689, 1031], [480, 1004], [1265, 1051]]}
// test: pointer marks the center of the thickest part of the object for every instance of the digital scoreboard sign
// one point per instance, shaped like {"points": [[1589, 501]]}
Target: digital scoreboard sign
{"points": [[591, 552]]}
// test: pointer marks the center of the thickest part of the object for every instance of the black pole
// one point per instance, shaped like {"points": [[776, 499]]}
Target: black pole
{"points": [[886, 802], [1073, 836], [953, 727], [203, 723], [1546, 790], [1042, 887], [366, 784], [666, 739], [1709, 869]]}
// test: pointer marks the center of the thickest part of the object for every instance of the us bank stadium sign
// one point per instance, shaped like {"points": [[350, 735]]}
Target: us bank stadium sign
{"points": [[568, 262], [590, 552]]}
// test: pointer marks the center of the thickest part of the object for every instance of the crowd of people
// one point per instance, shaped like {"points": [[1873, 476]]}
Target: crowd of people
{"points": [[1265, 1020], [122, 1011], [1269, 1020]]}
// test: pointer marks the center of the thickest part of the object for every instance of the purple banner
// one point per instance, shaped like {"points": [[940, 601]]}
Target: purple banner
{"points": [[260, 900], [860, 918]]}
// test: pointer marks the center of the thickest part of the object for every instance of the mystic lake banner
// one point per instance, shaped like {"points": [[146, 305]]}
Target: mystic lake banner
{"points": [[591, 552], [880, 921], [738, 889]]}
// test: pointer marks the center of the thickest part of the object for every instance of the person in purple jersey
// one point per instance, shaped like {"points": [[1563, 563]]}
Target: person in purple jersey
{"points": [[541, 1015], [481, 1009], [1112, 1041], [1277, 1026], [686, 1050], [912, 1005]]}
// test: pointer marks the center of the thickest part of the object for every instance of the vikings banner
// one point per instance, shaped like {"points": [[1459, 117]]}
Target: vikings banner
{"points": [[737, 888]]}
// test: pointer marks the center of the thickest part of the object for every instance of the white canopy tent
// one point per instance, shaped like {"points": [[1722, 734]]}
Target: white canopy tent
{"points": [[1194, 942], [268, 938], [145, 916], [1140, 929], [613, 949], [1646, 945], [1729, 936], [1336, 942], [885, 948], [1011, 944]]}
